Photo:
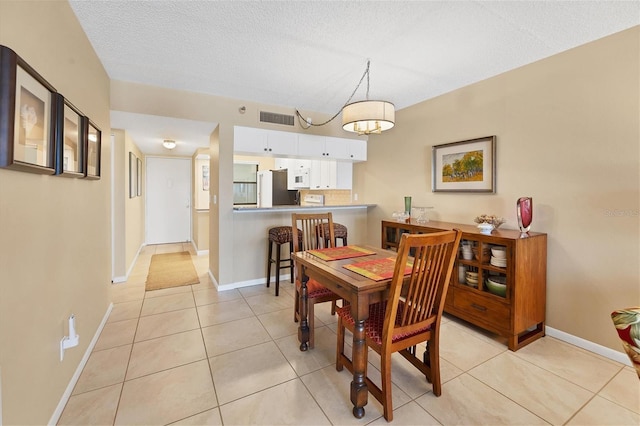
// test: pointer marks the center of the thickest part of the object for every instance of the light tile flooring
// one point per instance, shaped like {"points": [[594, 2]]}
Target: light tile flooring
{"points": [[193, 356]]}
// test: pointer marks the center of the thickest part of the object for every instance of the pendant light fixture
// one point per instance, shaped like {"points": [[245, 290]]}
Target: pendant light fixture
{"points": [[361, 117]]}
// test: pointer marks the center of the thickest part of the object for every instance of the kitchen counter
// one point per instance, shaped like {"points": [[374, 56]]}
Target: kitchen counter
{"points": [[296, 208]]}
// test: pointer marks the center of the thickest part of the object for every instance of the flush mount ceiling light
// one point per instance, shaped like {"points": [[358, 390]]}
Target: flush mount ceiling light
{"points": [[361, 117], [169, 144]]}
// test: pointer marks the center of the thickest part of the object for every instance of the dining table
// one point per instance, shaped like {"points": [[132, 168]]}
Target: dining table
{"points": [[359, 274]]}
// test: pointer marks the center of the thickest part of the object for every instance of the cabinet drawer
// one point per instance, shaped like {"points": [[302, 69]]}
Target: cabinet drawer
{"points": [[483, 307]]}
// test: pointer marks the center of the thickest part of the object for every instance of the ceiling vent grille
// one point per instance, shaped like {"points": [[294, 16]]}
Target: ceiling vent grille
{"points": [[272, 117]]}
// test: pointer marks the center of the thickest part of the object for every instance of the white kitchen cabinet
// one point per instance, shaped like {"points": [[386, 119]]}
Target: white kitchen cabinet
{"points": [[357, 150], [252, 140], [344, 175], [311, 145], [333, 148], [336, 148], [282, 143], [323, 174]]}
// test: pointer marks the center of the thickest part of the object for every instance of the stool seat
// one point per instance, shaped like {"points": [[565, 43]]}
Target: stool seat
{"points": [[278, 235], [282, 234], [339, 231]]}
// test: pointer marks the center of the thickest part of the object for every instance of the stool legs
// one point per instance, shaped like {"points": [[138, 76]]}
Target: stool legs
{"points": [[278, 269], [270, 251], [277, 262]]}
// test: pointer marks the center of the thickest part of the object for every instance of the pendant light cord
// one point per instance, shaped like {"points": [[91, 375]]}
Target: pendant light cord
{"points": [[304, 120]]}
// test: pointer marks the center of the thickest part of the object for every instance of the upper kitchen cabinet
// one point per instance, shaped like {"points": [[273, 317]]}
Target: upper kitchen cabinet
{"points": [[357, 150], [252, 140], [331, 148]]}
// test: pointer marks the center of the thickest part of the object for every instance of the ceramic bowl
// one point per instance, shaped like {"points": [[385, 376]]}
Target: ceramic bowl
{"points": [[499, 252], [496, 288]]}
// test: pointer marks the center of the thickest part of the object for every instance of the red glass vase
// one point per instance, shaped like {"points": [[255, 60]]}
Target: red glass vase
{"points": [[525, 213]]}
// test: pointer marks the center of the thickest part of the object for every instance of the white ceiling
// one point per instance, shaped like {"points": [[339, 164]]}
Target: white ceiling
{"points": [[310, 55]]}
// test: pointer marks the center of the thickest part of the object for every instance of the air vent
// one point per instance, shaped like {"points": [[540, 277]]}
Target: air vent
{"points": [[272, 117]]}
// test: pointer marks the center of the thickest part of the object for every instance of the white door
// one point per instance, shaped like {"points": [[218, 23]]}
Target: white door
{"points": [[168, 196]]}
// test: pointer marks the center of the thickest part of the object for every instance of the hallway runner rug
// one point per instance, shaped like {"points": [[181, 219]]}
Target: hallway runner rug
{"points": [[171, 270]]}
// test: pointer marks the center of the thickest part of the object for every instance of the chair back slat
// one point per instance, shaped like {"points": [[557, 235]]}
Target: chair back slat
{"points": [[317, 231], [424, 290]]}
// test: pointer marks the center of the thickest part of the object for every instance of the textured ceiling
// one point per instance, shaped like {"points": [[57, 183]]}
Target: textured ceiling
{"points": [[310, 55]]}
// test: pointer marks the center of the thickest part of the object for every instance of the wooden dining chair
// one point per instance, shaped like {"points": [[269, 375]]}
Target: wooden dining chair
{"points": [[411, 314], [317, 233]]}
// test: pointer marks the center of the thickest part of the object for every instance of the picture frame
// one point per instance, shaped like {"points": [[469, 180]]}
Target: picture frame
{"points": [[464, 166], [133, 175], [93, 150], [27, 117], [139, 178], [70, 138]]}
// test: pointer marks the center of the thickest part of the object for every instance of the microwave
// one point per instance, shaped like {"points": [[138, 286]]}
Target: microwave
{"points": [[299, 178]]}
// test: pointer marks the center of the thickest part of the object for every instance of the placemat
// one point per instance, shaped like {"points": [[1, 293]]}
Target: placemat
{"points": [[337, 253], [377, 269]]}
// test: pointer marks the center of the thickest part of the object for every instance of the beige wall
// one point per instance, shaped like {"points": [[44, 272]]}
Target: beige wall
{"points": [[134, 207], [567, 132], [55, 255], [119, 196]]}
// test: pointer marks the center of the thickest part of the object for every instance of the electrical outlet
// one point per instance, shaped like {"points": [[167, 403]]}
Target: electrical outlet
{"points": [[355, 197]]}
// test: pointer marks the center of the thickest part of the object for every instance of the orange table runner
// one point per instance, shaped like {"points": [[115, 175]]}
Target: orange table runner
{"points": [[377, 269], [337, 253]]}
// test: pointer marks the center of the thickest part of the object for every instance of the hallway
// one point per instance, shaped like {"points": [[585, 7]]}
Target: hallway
{"points": [[191, 355]]}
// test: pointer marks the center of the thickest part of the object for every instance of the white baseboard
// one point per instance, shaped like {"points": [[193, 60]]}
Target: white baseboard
{"points": [[248, 283], [620, 357], [133, 263], [55, 417], [198, 252]]}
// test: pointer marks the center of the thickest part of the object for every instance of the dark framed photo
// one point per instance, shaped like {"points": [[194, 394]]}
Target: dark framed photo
{"points": [[465, 166], [92, 151], [139, 177], [70, 137], [27, 117], [133, 175]]}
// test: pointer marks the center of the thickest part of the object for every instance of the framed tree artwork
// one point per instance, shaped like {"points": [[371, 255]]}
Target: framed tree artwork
{"points": [[465, 166]]}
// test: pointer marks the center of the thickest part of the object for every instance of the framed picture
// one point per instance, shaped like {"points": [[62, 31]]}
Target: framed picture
{"points": [[133, 175], [93, 150], [27, 111], [465, 166], [70, 138], [139, 177], [205, 177]]}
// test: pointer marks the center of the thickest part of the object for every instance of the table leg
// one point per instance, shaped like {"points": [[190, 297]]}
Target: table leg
{"points": [[359, 392], [303, 330]]}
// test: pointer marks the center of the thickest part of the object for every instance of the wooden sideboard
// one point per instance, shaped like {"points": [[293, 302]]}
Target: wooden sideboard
{"points": [[519, 314]]}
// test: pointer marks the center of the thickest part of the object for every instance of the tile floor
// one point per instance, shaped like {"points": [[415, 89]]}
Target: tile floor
{"points": [[193, 356]]}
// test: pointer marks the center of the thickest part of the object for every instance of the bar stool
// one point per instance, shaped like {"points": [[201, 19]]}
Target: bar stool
{"points": [[340, 231], [279, 235]]}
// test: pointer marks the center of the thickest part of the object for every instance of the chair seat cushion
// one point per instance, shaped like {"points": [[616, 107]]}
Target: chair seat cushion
{"points": [[373, 326], [315, 289]]}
